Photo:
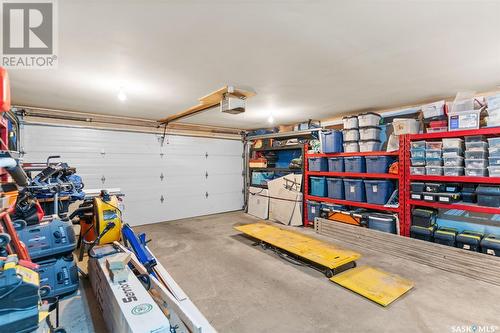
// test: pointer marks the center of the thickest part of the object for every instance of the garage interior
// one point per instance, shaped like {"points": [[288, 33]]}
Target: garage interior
{"points": [[250, 166]]}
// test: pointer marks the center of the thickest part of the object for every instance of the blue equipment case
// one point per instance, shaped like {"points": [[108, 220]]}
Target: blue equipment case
{"points": [[48, 238], [58, 276]]}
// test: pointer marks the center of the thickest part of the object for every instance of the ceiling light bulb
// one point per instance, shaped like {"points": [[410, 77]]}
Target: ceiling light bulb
{"points": [[121, 95], [270, 119]]}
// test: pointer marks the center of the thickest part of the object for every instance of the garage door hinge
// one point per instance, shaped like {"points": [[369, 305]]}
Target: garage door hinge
{"points": [[161, 155], [206, 195], [206, 174], [103, 179], [206, 155], [103, 152], [162, 199], [162, 176]]}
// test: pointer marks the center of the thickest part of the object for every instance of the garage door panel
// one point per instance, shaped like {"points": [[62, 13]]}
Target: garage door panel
{"points": [[135, 163], [224, 164], [224, 183]]}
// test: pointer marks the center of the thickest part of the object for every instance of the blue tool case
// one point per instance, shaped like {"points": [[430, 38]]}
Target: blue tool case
{"points": [[48, 238]]}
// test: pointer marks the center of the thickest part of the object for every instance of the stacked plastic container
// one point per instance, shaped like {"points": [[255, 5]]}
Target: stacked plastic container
{"points": [[418, 155], [369, 132], [493, 103], [437, 158], [362, 133], [476, 156], [453, 157], [351, 134], [494, 156]]}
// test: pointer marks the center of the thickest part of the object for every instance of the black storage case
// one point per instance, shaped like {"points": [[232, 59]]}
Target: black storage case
{"points": [[469, 240], [488, 196], [423, 217], [429, 196], [469, 188], [445, 236], [448, 197], [422, 233], [469, 197], [435, 187], [417, 187], [491, 245]]}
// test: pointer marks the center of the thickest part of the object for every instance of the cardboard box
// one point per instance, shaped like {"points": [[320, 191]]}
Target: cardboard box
{"points": [[285, 203], [127, 306]]}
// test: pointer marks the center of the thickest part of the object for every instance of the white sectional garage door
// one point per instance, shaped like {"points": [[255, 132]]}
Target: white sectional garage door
{"points": [[184, 177]]}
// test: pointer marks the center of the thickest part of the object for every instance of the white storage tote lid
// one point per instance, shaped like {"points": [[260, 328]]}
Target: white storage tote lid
{"points": [[369, 119]]}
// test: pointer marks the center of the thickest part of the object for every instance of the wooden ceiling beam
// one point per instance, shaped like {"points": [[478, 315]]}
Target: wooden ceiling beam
{"points": [[207, 102]]}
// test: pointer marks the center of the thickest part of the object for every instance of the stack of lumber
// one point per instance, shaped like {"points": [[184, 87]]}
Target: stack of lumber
{"points": [[475, 265]]}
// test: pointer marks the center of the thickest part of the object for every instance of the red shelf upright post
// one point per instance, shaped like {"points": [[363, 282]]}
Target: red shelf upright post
{"points": [[405, 172], [306, 185]]}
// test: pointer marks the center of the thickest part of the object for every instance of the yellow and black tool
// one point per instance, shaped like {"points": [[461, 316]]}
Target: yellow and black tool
{"points": [[100, 221]]}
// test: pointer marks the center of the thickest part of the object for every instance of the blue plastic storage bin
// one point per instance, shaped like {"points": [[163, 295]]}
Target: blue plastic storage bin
{"points": [[354, 190], [378, 164], [330, 206], [261, 178], [382, 222], [336, 164], [355, 164], [286, 156], [318, 164], [335, 188], [313, 210], [332, 141], [378, 191], [318, 186]]}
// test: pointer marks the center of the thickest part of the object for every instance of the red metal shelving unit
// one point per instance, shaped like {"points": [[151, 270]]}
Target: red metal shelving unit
{"points": [[404, 230], [488, 132]]}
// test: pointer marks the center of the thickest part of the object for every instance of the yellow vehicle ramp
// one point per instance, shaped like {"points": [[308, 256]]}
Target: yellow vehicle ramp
{"points": [[337, 263], [374, 284], [334, 259]]}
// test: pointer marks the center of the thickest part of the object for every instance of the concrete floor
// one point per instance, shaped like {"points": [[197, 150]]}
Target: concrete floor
{"points": [[242, 288]]}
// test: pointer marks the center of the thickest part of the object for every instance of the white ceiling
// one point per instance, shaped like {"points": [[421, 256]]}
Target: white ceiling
{"points": [[305, 59]]}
